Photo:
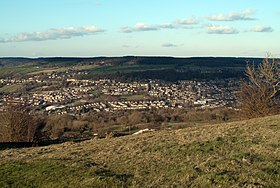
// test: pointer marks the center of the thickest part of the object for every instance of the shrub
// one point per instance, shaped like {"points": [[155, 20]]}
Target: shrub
{"points": [[259, 96], [19, 126]]}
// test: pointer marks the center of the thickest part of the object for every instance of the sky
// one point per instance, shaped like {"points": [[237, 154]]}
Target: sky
{"points": [[180, 28]]}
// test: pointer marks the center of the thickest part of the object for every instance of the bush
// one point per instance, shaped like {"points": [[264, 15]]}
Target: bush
{"points": [[260, 95], [19, 126]]}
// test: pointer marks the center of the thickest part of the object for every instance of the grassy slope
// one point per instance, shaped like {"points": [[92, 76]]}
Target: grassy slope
{"points": [[238, 154], [18, 70], [33, 69], [11, 88], [129, 68]]}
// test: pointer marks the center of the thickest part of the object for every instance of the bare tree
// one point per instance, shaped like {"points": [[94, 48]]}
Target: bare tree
{"points": [[260, 96], [18, 126]]}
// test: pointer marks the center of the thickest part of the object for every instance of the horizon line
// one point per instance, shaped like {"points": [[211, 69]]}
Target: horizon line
{"points": [[119, 56]]}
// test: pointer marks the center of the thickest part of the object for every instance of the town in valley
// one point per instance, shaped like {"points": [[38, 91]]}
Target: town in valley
{"points": [[61, 93]]}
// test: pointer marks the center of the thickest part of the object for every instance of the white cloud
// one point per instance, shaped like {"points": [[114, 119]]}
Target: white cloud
{"points": [[53, 34], [221, 29], [146, 27], [234, 16], [169, 45], [177, 24], [187, 21], [260, 28]]}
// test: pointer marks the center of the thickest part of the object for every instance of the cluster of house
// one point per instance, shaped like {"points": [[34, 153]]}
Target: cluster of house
{"points": [[207, 94], [80, 96], [118, 88], [109, 106], [13, 81], [51, 97]]}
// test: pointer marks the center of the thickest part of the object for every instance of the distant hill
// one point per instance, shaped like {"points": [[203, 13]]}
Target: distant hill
{"points": [[203, 61], [132, 67], [236, 154]]}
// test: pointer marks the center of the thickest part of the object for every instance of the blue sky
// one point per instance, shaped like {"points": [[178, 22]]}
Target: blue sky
{"points": [[34, 28]]}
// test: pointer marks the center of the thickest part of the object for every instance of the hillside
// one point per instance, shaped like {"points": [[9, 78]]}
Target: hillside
{"points": [[130, 67], [237, 154]]}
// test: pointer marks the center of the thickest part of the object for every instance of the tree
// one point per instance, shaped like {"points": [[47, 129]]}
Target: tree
{"points": [[18, 126], [259, 96]]}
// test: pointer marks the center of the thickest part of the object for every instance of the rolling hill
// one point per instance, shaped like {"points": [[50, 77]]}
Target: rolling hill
{"points": [[237, 154], [131, 67]]}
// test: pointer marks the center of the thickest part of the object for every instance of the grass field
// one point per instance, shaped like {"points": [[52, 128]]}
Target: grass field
{"points": [[11, 88], [236, 154], [63, 69], [133, 97], [35, 69], [17, 70], [128, 68]]}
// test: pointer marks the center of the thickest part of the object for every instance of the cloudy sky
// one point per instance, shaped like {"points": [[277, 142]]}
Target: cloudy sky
{"points": [[34, 28]]}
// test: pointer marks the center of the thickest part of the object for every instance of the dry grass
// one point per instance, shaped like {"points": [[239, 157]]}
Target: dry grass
{"points": [[237, 154]]}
